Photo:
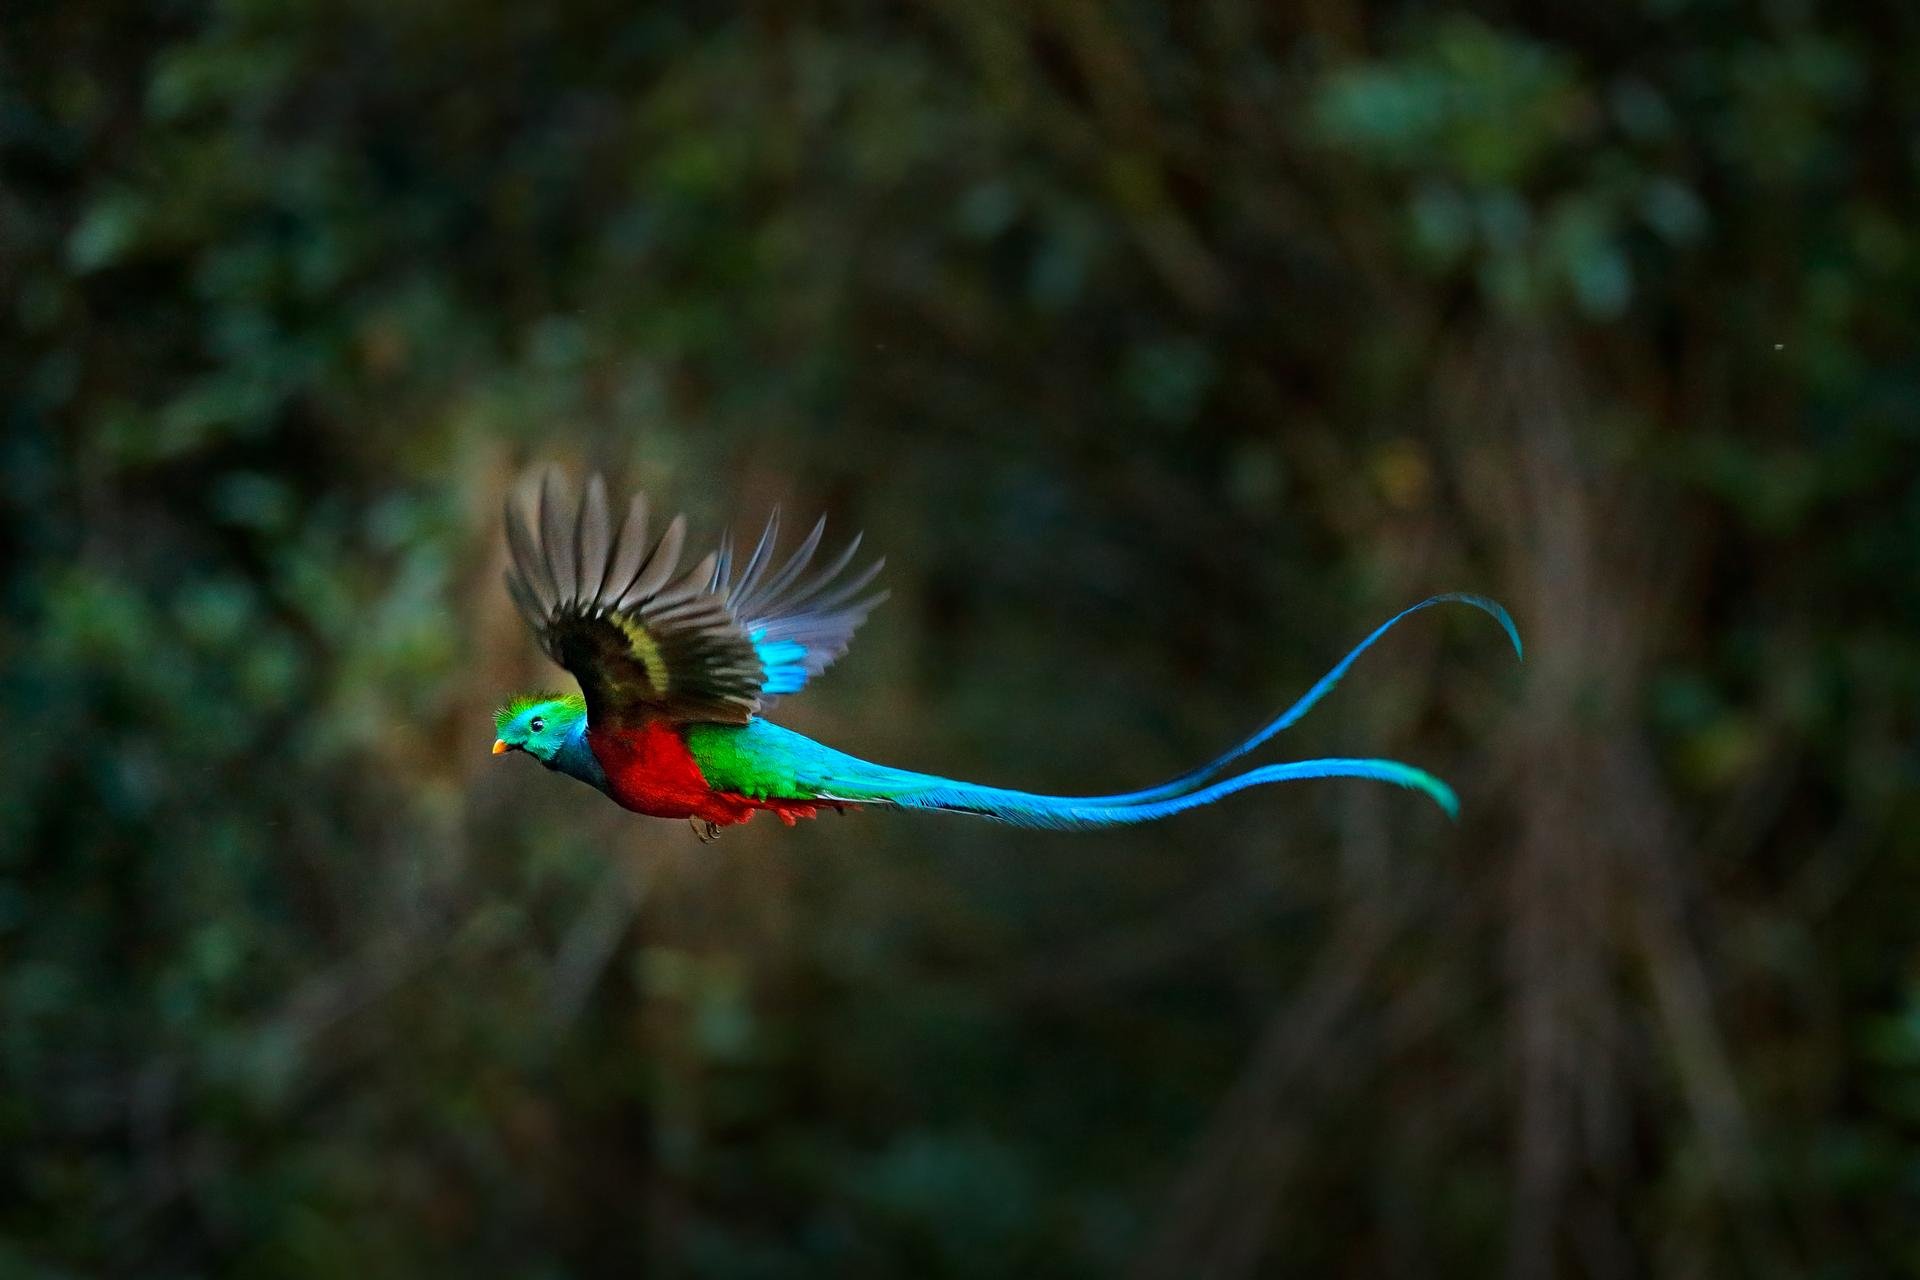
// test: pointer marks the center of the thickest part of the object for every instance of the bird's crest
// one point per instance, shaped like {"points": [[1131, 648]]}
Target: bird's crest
{"points": [[520, 702]]}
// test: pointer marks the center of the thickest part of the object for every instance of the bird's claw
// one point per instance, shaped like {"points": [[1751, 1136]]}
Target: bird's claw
{"points": [[705, 828]]}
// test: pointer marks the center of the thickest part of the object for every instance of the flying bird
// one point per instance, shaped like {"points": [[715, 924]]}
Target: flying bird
{"points": [[677, 666]]}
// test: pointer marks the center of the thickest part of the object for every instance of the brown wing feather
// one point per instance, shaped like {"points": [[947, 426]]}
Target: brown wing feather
{"points": [[644, 640], [648, 641]]}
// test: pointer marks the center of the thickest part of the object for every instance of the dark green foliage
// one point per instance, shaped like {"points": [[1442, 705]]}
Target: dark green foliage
{"points": [[1164, 351]]}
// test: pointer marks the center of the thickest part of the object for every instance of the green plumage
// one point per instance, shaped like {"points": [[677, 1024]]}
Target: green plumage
{"points": [[759, 759]]}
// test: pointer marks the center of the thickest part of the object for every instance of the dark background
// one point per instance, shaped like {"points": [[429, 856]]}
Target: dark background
{"points": [[1165, 349]]}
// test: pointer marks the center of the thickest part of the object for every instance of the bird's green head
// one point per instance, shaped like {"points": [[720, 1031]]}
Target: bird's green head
{"points": [[539, 724]]}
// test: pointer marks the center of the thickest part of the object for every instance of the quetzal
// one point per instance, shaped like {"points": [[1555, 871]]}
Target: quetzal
{"points": [[675, 668]]}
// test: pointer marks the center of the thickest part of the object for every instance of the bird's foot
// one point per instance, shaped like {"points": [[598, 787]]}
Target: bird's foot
{"points": [[706, 828]]}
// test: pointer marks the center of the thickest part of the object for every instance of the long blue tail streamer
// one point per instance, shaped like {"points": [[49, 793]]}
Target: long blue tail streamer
{"points": [[1080, 813], [1191, 790]]}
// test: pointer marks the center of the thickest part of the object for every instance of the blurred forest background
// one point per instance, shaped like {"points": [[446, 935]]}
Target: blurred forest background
{"points": [[1165, 350]]}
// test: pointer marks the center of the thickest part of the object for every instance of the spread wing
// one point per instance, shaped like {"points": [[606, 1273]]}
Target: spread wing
{"points": [[647, 641]]}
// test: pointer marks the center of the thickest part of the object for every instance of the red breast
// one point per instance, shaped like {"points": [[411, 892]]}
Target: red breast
{"points": [[650, 770]]}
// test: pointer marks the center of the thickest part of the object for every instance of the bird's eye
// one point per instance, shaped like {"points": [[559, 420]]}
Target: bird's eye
{"points": [[537, 725]]}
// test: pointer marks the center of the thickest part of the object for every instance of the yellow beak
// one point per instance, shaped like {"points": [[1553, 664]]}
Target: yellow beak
{"points": [[500, 748]]}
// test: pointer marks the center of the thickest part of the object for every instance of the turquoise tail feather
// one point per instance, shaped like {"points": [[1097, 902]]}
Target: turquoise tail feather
{"points": [[899, 788], [1191, 790]]}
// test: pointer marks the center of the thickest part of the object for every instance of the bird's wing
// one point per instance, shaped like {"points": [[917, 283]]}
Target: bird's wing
{"points": [[647, 641], [798, 622], [644, 640]]}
